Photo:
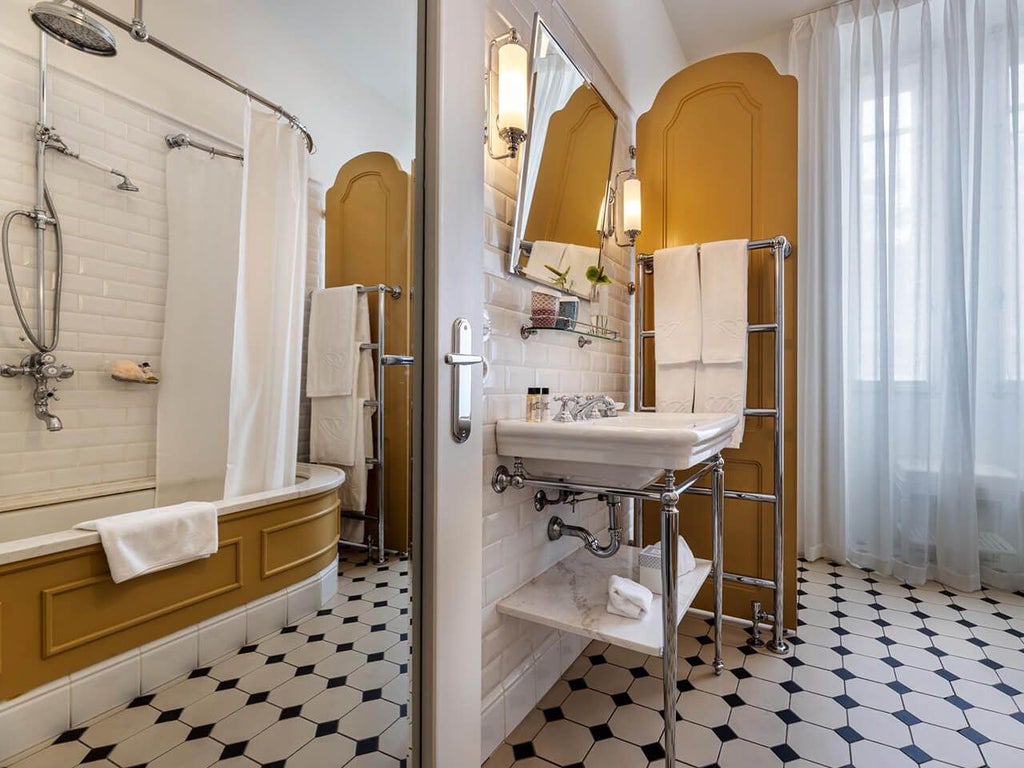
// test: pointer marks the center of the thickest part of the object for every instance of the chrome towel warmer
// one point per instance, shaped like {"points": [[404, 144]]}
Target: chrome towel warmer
{"points": [[377, 461], [781, 249]]}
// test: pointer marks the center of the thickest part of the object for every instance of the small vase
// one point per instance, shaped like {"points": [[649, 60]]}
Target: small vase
{"points": [[599, 309]]}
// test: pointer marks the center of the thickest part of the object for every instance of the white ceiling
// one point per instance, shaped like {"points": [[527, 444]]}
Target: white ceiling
{"points": [[707, 27]]}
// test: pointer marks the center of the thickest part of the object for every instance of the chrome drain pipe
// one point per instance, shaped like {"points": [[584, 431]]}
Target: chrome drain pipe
{"points": [[557, 528]]}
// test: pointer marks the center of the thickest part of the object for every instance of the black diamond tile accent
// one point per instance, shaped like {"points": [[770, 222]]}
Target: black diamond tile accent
{"points": [[141, 701], [966, 623], [302, 671], [928, 632], [225, 685], [790, 686], [288, 630], [576, 684], [936, 652], [841, 650], [552, 714], [694, 661], [1008, 690], [375, 657], [275, 764], [845, 701], [98, 753], [906, 717], [733, 700], [324, 612], [277, 658], [350, 620], [373, 694], [899, 687], [597, 659], [234, 750], [653, 751], [840, 631], [849, 735], [991, 664], [342, 647], [785, 753], [973, 735], [724, 733], [337, 682], [378, 627], [200, 732], [380, 604], [71, 735], [977, 641], [881, 623], [257, 698], [843, 674], [169, 716], [876, 607], [621, 699], [326, 729], [788, 716], [250, 648], [523, 751], [793, 661], [747, 650], [959, 703], [314, 638], [946, 675], [639, 672], [740, 673], [947, 593], [403, 668], [601, 732], [1002, 616], [887, 641], [894, 663], [291, 712], [684, 685], [200, 672], [916, 754], [704, 640]]}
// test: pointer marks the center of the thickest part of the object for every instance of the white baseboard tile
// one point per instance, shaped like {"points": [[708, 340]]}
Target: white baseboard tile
{"points": [[106, 685], [169, 657], [303, 599], [221, 635], [492, 723], [265, 616], [34, 717]]}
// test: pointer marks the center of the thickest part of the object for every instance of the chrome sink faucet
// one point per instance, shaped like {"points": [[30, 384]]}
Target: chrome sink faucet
{"points": [[585, 408], [44, 368]]}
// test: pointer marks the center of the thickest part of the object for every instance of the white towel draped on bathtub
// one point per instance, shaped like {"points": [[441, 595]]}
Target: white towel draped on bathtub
{"points": [[156, 539]]}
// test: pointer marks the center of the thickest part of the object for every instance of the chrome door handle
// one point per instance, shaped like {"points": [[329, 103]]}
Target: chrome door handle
{"points": [[457, 359], [462, 382], [397, 360]]}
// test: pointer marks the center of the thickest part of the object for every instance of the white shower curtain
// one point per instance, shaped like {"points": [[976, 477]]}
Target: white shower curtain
{"points": [[265, 378], [204, 211], [911, 288]]}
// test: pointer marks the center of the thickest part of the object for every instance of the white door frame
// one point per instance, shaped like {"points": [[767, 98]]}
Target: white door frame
{"points": [[451, 286]]}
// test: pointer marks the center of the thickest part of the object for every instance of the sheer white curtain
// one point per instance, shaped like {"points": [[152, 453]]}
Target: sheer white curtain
{"points": [[911, 292], [265, 376]]}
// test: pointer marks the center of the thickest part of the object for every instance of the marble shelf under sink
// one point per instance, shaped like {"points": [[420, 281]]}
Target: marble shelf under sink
{"points": [[572, 595]]}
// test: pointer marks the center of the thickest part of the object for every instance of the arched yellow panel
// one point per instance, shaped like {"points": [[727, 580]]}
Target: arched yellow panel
{"points": [[368, 241], [717, 156]]}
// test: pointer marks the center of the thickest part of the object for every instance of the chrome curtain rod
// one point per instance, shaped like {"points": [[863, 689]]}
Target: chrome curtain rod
{"points": [[182, 140], [138, 32]]}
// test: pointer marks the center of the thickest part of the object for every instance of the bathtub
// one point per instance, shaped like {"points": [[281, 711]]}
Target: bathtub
{"points": [[60, 612]]}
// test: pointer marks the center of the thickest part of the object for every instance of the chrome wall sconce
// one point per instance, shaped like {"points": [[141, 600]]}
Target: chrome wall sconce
{"points": [[513, 89], [631, 207]]}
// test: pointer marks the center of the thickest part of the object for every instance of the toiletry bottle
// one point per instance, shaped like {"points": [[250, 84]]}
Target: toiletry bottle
{"points": [[532, 400], [544, 404]]}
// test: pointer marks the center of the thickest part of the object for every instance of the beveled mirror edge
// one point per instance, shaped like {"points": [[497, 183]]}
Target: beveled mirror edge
{"points": [[513, 255]]}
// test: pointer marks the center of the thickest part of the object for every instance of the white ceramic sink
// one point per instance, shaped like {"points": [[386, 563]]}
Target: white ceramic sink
{"points": [[630, 450]]}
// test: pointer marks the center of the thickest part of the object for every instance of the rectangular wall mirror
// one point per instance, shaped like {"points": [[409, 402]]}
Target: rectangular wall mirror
{"points": [[565, 171]]}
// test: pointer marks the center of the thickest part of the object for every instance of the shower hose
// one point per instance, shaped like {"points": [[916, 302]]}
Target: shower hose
{"points": [[39, 343]]}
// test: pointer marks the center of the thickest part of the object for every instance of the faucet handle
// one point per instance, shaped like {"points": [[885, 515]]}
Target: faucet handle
{"points": [[564, 415]]}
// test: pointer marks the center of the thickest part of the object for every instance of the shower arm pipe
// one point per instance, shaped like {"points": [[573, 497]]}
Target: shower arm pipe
{"points": [[59, 146], [137, 27]]}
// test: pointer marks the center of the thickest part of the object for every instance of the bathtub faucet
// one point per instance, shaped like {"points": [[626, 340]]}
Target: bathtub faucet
{"points": [[44, 368]]}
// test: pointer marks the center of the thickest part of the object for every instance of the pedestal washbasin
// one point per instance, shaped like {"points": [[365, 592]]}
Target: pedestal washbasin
{"points": [[631, 450]]}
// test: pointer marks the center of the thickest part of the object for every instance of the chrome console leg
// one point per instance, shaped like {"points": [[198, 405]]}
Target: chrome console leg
{"points": [[669, 608], [717, 515]]}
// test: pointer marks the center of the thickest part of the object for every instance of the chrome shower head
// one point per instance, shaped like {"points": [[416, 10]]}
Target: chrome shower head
{"points": [[70, 25], [127, 185]]}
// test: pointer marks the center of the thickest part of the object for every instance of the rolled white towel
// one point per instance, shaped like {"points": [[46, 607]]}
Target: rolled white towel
{"points": [[627, 598]]}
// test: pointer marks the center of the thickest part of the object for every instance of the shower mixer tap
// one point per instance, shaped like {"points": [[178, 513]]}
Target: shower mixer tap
{"points": [[44, 368]]}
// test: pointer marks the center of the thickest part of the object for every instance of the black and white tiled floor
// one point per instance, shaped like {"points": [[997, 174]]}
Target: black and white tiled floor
{"points": [[331, 691], [882, 676]]}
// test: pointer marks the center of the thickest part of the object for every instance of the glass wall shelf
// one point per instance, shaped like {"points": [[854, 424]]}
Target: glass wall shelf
{"points": [[585, 333]]}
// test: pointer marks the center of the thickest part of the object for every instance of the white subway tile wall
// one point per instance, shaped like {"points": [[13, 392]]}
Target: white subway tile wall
{"points": [[115, 262], [523, 660]]}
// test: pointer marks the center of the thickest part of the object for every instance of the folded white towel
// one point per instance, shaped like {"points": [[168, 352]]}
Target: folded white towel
{"points": [[677, 301], [153, 540], [542, 254], [674, 387], [722, 388], [336, 329], [723, 300], [627, 598]]}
